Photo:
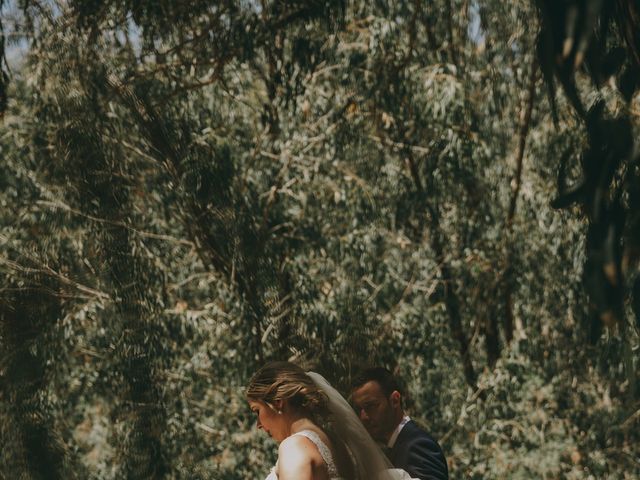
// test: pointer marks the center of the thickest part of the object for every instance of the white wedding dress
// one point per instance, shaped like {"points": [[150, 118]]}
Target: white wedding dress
{"points": [[324, 452]]}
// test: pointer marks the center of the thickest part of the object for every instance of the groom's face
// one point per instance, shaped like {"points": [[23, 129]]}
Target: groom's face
{"points": [[375, 409]]}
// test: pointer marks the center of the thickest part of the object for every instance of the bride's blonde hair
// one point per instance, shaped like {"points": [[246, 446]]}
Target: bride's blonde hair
{"points": [[288, 382]]}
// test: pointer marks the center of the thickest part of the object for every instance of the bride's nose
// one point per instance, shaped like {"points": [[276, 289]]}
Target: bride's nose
{"points": [[259, 424]]}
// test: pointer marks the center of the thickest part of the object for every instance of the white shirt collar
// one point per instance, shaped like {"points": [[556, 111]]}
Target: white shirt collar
{"points": [[396, 432]]}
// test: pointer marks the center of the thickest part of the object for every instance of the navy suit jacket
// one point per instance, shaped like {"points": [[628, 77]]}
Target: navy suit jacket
{"points": [[416, 452]]}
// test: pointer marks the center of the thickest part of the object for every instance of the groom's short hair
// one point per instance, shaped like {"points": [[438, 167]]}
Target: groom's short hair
{"points": [[387, 381]]}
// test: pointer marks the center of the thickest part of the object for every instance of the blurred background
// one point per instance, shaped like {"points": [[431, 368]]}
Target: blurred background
{"points": [[191, 188]]}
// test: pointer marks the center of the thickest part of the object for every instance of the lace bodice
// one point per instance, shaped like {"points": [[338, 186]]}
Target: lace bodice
{"points": [[324, 452]]}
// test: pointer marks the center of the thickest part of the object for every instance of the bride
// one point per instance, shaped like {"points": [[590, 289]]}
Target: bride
{"points": [[319, 435]]}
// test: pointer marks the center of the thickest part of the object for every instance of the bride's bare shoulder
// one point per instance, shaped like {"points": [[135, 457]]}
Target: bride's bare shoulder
{"points": [[296, 452], [296, 445]]}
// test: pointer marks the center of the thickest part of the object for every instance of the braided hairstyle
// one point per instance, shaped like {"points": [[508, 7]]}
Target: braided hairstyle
{"points": [[287, 381]]}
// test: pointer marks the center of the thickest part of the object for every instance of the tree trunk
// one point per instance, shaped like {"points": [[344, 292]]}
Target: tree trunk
{"points": [[516, 182], [451, 301], [31, 448]]}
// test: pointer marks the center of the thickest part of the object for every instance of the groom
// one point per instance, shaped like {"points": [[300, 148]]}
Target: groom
{"points": [[377, 398]]}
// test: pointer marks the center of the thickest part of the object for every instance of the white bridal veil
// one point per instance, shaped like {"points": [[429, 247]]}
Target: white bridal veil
{"points": [[370, 462]]}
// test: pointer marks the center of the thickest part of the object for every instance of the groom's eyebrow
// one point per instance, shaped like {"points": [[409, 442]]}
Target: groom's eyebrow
{"points": [[366, 404]]}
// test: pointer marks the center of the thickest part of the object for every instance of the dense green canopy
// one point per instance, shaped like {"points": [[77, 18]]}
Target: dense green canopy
{"points": [[448, 188]]}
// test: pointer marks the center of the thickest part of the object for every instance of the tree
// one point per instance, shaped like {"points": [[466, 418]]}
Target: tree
{"points": [[205, 188]]}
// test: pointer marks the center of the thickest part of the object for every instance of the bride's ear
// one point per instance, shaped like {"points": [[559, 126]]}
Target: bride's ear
{"points": [[278, 405]]}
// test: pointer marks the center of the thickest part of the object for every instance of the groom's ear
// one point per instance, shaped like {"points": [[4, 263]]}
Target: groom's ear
{"points": [[396, 399]]}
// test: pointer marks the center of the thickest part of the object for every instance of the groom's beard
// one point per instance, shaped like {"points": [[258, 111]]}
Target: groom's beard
{"points": [[382, 428], [377, 432]]}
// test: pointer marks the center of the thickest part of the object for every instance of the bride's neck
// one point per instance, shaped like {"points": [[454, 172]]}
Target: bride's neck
{"points": [[299, 423]]}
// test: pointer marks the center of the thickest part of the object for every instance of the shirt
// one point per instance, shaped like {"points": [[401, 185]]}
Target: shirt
{"points": [[396, 432]]}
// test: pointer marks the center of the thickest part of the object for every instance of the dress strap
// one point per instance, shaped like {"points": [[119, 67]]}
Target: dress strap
{"points": [[323, 449]]}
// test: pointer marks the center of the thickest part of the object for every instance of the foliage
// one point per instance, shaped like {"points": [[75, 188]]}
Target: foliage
{"points": [[604, 38], [191, 190]]}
